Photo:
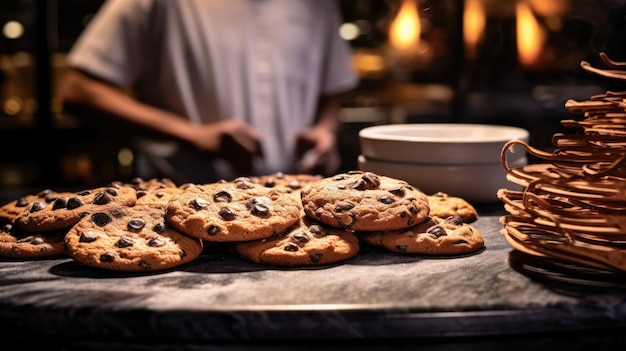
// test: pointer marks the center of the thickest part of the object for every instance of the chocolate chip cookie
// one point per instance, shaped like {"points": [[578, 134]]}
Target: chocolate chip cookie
{"points": [[63, 210], [364, 201], [130, 239], [434, 236], [16, 244], [239, 210], [10, 210], [443, 205], [307, 243]]}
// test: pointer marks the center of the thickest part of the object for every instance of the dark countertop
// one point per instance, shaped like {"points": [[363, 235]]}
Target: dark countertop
{"points": [[489, 300]]}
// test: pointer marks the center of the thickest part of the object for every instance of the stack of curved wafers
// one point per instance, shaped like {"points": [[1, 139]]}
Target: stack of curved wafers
{"points": [[573, 206]]}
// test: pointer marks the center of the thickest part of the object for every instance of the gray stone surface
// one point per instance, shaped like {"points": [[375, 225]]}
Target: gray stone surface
{"points": [[377, 294]]}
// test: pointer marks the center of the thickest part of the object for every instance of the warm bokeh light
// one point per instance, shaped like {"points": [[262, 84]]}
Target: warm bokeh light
{"points": [[530, 36], [349, 31], [125, 156], [13, 30], [474, 20], [405, 29]]}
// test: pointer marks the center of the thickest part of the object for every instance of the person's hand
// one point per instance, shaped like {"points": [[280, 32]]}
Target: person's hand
{"points": [[316, 151], [233, 140]]}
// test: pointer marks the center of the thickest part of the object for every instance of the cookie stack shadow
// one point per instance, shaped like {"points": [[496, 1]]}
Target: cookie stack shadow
{"points": [[288, 220]]}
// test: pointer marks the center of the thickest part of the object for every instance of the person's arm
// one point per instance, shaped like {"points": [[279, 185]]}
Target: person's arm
{"points": [[84, 92]]}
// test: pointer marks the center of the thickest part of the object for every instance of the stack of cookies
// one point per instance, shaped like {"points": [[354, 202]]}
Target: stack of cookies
{"points": [[573, 206], [285, 220], [117, 227]]}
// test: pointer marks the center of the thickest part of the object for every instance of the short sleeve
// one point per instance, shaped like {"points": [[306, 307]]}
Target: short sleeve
{"points": [[113, 45]]}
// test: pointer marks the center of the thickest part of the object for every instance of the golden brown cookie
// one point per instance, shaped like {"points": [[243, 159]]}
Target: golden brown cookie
{"points": [[364, 201], [434, 236], [307, 243], [232, 211], [68, 208], [443, 205], [10, 210], [16, 244], [130, 239]]}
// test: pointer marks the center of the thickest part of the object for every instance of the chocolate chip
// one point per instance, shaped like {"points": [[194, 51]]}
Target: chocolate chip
{"points": [[270, 183], [103, 198], [183, 254], [159, 227], [398, 191], [6, 228], [371, 179], [401, 248], [37, 206], [227, 214], [74, 203], [339, 177], [243, 183], [437, 231], [387, 200], [156, 242], [413, 209], [343, 206], [101, 219], [88, 237], [124, 242], [317, 229], [316, 257], [300, 236], [37, 240], [136, 224], [22, 202], [460, 242], [341, 186], [84, 192], [456, 220], [198, 203], [259, 209], [117, 213], [43, 193], [294, 185], [222, 196], [291, 248], [213, 229], [59, 203], [51, 196], [141, 193], [258, 206], [359, 185], [107, 257], [111, 190]]}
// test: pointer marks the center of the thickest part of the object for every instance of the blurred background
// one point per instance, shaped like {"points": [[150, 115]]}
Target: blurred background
{"points": [[509, 62]]}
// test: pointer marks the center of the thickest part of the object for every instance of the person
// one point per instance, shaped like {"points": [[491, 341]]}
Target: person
{"points": [[221, 88]]}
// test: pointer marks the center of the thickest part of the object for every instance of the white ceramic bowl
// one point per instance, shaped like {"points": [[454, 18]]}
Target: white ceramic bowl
{"points": [[476, 183], [439, 143]]}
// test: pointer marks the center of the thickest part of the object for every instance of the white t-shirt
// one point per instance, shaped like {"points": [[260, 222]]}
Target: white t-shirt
{"points": [[264, 61]]}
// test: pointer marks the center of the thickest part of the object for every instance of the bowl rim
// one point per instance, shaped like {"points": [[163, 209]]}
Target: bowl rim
{"points": [[374, 133]]}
